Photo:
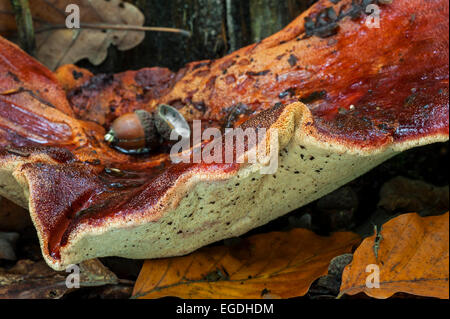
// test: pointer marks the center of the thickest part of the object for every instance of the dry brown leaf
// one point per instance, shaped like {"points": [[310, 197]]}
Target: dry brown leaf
{"points": [[409, 195], [412, 258], [35, 280], [66, 46], [275, 265], [119, 291], [93, 273]]}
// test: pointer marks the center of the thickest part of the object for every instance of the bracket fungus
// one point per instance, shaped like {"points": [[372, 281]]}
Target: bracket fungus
{"points": [[343, 96]]}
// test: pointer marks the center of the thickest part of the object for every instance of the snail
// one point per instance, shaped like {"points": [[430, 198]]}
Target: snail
{"points": [[141, 131]]}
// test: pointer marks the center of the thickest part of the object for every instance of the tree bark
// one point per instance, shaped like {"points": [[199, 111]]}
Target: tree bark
{"points": [[267, 17], [218, 27]]}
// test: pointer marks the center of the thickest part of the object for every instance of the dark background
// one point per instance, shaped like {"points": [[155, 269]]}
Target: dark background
{"points": [[217, 26]]}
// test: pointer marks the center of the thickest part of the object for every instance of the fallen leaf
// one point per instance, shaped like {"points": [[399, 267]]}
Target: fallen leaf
{"points": [[93, 273], [412, 258], [275, 265], [120, 291], [409, 195], [35, 280], [59, 46], [404, 195], [7, 242], [7, 20]]}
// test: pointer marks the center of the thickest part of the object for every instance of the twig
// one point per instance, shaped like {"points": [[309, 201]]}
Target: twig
{"points": [[378, 239], [24, 23], [126, 282], [121, 27]]}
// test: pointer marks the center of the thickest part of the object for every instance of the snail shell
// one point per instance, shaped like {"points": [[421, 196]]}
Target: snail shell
{"points": [[141, 131], [168, 119]]}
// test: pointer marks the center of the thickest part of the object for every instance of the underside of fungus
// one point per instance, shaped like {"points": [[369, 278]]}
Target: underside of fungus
{"points": [[343, 95]]}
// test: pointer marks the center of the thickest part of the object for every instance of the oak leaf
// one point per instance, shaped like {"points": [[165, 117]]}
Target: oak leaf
{"points": [[272, 265], [412, 258], [36, 280], [58, 46]]}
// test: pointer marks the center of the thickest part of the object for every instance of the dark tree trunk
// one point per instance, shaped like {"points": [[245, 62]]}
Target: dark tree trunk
{"points": [[217, 26]]}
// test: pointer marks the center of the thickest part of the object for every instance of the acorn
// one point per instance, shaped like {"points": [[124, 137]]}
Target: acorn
{"points": [[141, 131]]}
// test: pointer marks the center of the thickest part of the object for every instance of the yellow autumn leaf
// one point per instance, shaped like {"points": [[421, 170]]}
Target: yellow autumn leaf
{"points": [[412, 256], [273, 265]]}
